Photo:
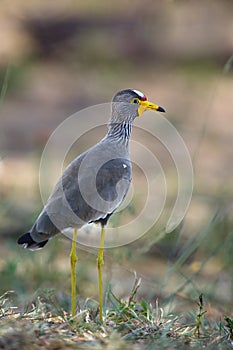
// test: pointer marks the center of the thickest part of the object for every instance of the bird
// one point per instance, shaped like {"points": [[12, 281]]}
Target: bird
{"points": [[92, 186]]}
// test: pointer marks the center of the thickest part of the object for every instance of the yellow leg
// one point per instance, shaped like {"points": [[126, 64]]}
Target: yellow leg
{"points": [[73, 261], [100, 262]]}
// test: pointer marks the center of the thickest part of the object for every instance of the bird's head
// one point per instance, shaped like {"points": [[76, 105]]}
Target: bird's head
{"points": [[129, 104]]}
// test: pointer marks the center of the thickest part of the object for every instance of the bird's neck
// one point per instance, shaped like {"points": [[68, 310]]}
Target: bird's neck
{"points": [[120, 131]]}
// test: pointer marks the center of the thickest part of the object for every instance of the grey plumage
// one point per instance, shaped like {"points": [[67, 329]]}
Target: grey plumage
{"points": [[95, 183]]}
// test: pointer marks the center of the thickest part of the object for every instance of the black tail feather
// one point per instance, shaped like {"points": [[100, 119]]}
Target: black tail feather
{"points": [[28, 242]]}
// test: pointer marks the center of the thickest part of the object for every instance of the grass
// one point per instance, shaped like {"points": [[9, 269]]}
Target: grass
{"points": [[148, 316], [129, 324]]}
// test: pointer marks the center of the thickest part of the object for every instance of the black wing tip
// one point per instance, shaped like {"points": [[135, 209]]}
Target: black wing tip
{"points": [[27, 242]]}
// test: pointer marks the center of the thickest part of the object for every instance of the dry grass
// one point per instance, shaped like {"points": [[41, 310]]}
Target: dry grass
{"points": [[129, 324]]}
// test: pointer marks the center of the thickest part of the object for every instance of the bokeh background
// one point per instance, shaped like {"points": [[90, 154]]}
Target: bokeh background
{"points": [[57, 58]]}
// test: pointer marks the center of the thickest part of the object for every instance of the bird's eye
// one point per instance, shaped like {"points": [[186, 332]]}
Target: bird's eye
{"points": [[135, 100]]}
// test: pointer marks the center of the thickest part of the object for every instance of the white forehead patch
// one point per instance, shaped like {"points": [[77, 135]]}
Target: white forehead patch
{"points": [[124, 165], [139, 93]]}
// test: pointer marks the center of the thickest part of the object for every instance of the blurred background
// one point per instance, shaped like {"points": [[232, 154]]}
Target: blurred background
{"points": [[58, 58]]}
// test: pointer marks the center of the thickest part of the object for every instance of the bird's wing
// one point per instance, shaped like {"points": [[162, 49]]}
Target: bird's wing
{"points": [[89, 189], [113, 180]]}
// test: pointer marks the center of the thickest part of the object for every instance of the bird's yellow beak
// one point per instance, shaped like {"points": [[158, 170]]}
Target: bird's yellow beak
{"points": [[144, 105]]}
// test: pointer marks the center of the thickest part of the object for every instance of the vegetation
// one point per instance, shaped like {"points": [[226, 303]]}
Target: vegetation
{"points": [[128, 324], [177, 319]]}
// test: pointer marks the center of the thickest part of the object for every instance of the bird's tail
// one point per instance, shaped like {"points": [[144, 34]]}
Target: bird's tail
{"points": [[28, 242]]}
